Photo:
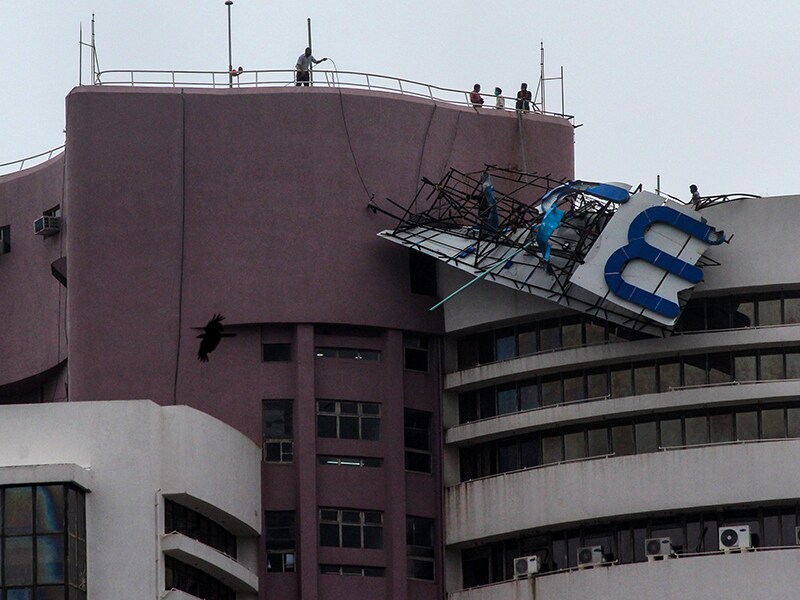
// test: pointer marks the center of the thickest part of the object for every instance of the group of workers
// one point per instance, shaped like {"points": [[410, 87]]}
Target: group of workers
{"points": [[523, 103]]}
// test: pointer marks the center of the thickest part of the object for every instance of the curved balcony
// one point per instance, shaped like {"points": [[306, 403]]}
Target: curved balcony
{"points": [[731, 576], [227, 570], [599, 409], [573, 492], [586, 357]]}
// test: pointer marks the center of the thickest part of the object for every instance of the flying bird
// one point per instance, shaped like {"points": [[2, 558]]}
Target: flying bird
{"points": [[211, 336]]}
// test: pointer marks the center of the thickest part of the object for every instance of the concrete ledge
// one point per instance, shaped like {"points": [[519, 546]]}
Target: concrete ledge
{"points": [[678, 480], [48, 473], [230, 572]]}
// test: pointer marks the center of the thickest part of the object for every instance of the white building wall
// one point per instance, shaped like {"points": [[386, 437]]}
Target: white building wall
{"points": [[130, 453]]}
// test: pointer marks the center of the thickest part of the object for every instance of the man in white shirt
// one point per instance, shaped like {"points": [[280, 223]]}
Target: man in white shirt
{"points": [[304, 63]]}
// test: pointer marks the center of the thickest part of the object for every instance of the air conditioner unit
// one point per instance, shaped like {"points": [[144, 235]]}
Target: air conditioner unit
{"points": [[525, 566], [658, 548], [734, 538], [47, 226], [590, 556]]}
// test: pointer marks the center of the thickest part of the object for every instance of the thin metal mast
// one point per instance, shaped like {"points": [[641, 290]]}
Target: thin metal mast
{"points": [[541, 72], [310, 65]]}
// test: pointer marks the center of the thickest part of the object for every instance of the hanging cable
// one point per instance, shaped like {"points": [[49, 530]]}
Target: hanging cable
{"points": [[347, 132], [183, 249], [522, 141], [425, 143]]}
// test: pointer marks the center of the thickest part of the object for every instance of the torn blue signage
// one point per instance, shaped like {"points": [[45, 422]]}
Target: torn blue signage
{"points": [[639, 249], [646, 255]]}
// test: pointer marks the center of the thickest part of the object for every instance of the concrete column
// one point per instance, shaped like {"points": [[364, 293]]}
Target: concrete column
{"points": [[393, 437], [305, 456]]}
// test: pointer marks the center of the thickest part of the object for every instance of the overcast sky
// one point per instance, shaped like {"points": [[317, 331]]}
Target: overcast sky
{"points": [[697, 92]]}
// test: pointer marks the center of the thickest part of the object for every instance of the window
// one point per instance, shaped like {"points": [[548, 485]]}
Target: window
{"points": [[416, 352], [352, 570], [345, 528], [348, 420], [419, 548], [352, 353], [279, 533], [42, 542], [351, 461], [277, 425], [418, 440], [183, 577], [505, 344], [276, 352], [5, 239], [196, 526]]}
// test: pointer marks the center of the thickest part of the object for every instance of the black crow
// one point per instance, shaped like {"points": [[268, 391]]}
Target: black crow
{"points": [[212, 334]]}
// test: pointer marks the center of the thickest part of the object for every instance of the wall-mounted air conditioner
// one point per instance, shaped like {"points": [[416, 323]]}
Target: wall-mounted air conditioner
{"points": [[590, 556], [47, 226], [525, 566], [658, 548], [734, 538]]}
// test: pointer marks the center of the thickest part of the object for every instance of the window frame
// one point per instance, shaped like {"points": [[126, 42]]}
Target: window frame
{"points": [[365, 524], [283, 443]]}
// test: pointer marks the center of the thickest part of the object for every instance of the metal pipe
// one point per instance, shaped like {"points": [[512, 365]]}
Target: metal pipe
{"points": [[230, 54], [310, 65], [94, 52], [541, 72]]}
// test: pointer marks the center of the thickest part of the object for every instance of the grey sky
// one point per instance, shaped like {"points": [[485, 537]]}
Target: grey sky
{"points": [[698, 92]]}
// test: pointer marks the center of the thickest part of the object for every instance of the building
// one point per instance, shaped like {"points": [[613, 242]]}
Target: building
{"points": [[348, 442], [171, 206], [630, 466]]}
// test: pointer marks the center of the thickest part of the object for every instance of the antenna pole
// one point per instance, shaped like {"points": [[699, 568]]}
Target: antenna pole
{"points": [[228, 3], [94, 53], [541, 72], [80, 55], [562, 90], [310, 66]]}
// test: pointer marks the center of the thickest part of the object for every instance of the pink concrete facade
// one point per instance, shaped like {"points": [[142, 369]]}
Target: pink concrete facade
{"points": [[178, 204], [33, 345]]}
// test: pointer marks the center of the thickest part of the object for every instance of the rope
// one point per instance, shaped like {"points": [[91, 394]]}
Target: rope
{"points": [[347, 134], [425, 143], [522, 141]]}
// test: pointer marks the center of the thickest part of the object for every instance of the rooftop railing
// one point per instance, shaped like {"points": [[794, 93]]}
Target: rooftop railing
{"points": [[285, 78], [321, 78], [18, 165]]}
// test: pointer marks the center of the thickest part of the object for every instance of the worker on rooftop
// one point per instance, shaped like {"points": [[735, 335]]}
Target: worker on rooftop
{"points": [[304, 64]]}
